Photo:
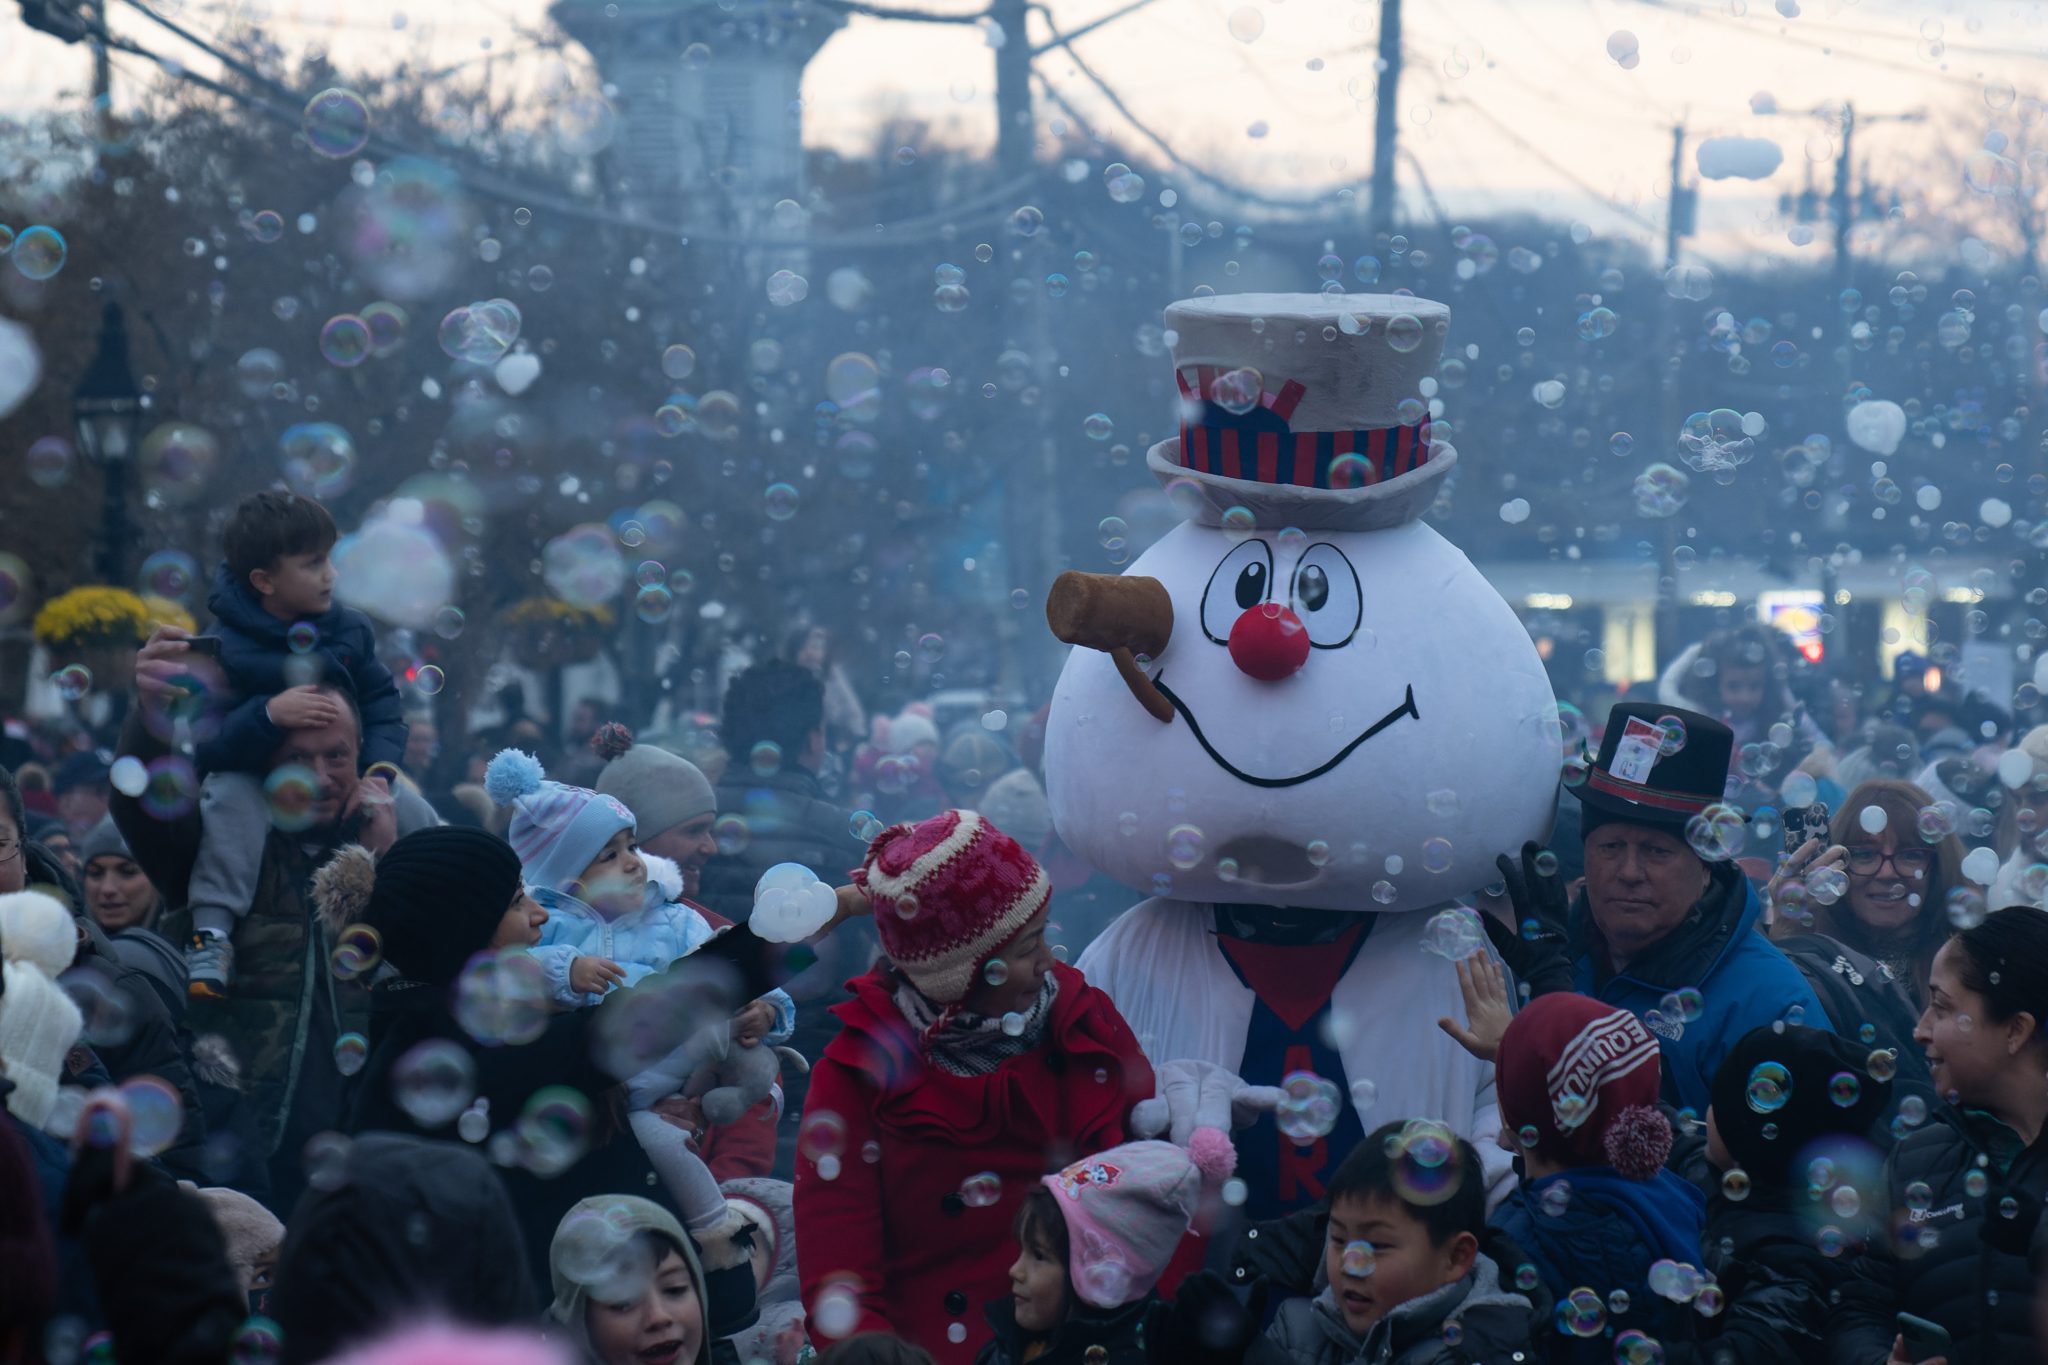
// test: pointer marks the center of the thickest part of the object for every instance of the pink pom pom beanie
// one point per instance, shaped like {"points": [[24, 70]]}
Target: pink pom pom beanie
{"points": [[1127, 1209]]}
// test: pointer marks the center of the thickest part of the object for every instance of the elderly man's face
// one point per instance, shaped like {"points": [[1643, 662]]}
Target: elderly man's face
{"points": [[330, 752], [1641, 883]]}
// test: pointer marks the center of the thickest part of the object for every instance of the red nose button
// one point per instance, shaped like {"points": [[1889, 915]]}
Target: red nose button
{"points": [[1268, 642]]}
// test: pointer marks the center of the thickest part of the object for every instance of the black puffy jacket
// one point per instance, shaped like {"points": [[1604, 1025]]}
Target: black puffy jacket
{"points": [[1958, 1250], [1764, 1254]]}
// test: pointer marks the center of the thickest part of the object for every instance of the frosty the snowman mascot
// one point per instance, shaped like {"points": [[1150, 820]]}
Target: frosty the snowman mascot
{"points": [[1302, 721]]}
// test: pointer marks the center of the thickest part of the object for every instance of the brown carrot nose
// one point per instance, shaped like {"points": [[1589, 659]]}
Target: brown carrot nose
{"points": [[1120, 614]]}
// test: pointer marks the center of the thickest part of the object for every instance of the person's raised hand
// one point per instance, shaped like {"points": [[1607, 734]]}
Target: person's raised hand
{"points": [[1809, 858], [302, 708], [1485, 989], [168, 670], [595, 975]]}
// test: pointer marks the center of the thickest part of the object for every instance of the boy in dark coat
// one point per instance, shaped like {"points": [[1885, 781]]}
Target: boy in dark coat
{"points": [[1595, 1209], [280, 632], [1785, 1102]]}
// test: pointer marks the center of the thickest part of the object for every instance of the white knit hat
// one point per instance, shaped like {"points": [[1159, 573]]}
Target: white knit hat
{"points": [[38, 1021]]}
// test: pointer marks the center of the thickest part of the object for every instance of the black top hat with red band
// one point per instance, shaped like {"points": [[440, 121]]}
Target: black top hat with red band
{"points": [[1658, 765]]}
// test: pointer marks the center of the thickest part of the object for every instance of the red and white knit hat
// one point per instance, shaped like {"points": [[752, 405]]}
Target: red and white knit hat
{"points": [[949, 892]]}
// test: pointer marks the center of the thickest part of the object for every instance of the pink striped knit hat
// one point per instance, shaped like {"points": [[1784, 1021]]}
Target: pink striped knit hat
{"points": [[949, 892], [556, 829]]}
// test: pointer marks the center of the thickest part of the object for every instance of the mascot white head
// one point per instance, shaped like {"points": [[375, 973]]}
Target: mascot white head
{"points": [[1301, 696]]}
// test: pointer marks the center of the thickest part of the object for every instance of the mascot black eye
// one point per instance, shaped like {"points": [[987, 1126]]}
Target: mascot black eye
{"points": [[1242, 580], [1326, 596]]}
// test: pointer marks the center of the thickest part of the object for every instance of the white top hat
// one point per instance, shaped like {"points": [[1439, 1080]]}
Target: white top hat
{"points": [[1305, 409]]}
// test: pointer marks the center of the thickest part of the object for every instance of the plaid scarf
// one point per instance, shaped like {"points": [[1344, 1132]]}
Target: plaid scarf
{"points": [[962, 1043]]}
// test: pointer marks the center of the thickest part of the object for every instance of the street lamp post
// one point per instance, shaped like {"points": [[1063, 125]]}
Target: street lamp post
{"points": [[106, 410]]}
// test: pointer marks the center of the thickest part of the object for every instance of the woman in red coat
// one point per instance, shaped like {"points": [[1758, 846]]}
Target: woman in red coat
{"points": [[967, 1066]]}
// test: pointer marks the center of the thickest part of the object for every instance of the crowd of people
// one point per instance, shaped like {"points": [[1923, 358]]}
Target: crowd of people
{"points": [[777, 1049]]}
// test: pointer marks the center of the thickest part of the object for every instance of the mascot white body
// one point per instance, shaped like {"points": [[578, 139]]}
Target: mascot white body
{"points": [[1299, 720]]}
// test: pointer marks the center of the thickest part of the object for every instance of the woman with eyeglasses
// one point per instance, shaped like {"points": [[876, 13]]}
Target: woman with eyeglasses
{"points": [[1895, 909]]}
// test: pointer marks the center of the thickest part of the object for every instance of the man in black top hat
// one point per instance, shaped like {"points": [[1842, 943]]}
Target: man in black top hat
{"points": [[1667, 926]]}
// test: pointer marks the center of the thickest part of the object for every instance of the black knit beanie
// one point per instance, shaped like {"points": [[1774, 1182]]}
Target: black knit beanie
{"points": [[1801, 1084], [438, 897]]}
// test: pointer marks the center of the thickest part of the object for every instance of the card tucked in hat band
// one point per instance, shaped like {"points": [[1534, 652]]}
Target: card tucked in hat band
{"points": [[1257, 444]]}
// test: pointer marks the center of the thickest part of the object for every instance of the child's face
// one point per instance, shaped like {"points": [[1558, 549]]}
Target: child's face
{"points": [[1038, 1286], [1013, 986], [616, 879], [297, 585], [1379, 1256]]}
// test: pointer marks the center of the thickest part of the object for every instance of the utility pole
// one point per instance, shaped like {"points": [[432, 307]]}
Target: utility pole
{"points": [[102, 75], [1677, 223], [1386, 112], [1031, 508], [1840, 202]]}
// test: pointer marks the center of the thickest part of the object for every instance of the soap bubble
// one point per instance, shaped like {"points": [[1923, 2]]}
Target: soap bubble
{"points": [[501, 998], [786, 288], [1404, 332], [982, 1190], [1454, 934], [1581, 1313], [1661, 490], [1358, 1259], [1623, 47], [1237, 391], [1184, 847], [1769, 1087], [1309, 1106], [48, 461], [358, 950], [584, 565], [345, 341], [780, 501], [39, 252], [395, 569], [678, 362], [169, 574], [553, 1131], [853, 381], [336, 123], [351, 1051], [1716, 834], [176, 460], [481, 333], [156, 1115], [292, 793], [73, 682], [318, 459], [1735, 1184], [1247, 23], [173, 789]]}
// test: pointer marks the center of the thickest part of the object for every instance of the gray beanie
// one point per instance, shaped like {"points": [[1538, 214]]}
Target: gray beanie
{"points": [[660, 788], [104, 837]]}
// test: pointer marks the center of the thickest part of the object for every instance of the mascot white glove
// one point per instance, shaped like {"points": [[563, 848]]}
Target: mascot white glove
{"points": [[1195, 1094]]}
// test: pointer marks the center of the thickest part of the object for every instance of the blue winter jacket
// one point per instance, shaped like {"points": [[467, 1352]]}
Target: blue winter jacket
{"points": [[1743, 980], [256, 651], [642, 943], [1601, 1232]]}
